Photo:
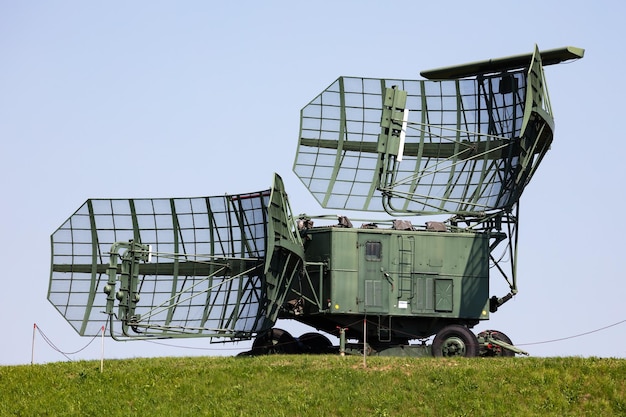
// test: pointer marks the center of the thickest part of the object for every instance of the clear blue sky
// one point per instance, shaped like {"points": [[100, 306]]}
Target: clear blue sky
{"points": [[171, 99]]}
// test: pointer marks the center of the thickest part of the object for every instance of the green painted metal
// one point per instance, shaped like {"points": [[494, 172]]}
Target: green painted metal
{"points": [[469, 146], [549, 57], [414, 276], [219, 265], [285, 249], [128, 292]]}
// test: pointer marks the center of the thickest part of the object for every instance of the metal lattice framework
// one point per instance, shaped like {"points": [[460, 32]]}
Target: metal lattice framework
{"points": [[461, 146], [209, 270]]}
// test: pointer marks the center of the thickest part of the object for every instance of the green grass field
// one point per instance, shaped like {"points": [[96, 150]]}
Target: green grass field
{"points": [[317, 386]]}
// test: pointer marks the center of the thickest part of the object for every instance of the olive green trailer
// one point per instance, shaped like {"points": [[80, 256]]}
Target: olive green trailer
{"points": [[407, 284]]}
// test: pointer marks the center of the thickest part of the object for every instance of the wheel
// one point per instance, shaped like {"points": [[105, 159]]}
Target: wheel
{"points": [[315, 343], [490, 350], [455, 340], [274, 341]]}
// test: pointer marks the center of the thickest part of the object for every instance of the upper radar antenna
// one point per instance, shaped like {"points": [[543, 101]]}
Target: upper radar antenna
{"points": [[457, 146]]}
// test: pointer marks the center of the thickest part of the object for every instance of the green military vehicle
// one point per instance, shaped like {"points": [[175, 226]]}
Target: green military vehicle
{"points": [[457, 147]]}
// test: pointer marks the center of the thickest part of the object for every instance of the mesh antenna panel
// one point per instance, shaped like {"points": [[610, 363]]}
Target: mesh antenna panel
{"points": [[459, 146], [207, 266]]}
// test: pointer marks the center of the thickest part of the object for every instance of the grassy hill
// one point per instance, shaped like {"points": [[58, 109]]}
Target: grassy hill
{"points": [[317, 386]]}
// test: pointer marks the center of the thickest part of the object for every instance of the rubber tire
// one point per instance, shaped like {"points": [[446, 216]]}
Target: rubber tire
{"points": [[455, 336], [274, 341], [315, 343], [498, 335]]}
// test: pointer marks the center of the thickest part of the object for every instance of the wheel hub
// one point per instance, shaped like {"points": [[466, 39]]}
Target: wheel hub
{"points": [[453, 346]]}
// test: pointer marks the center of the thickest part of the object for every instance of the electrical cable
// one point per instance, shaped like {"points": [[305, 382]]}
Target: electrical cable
{"points": [[54, 347], [572, 337]]}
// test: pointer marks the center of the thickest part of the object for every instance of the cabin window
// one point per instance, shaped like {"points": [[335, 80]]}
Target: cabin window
{"points": [[373, 251]]}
